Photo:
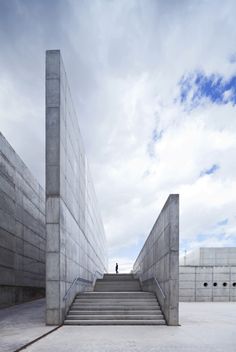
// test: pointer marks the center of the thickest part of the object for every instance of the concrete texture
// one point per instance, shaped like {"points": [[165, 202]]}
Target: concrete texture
{"points": [[117, 300], [159, 259], [21, 324], [22, 230], [203, 256], [207, 283], [76, 243], [205, 327]]}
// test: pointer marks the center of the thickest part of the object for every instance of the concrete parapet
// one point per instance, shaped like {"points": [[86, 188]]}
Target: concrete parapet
{"points": [[76, 243], [210, 256], [157, 265]]}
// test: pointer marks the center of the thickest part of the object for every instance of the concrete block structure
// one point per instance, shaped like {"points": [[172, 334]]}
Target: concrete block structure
{"points": [[76, 243], [22, 230], [208, 275], [157, 265], [203, 256]]}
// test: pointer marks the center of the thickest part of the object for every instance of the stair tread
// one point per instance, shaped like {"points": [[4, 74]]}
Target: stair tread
{"points": [[115, 293], [113, 312], [116, 317], [114, 308], [97, 293], [115, 322], [115, 303], [116, 300]]}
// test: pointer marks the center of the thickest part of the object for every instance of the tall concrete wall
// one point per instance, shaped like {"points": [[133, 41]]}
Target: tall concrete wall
{"points": [[157, 265], [207, 283], [76, 244], [210, 256], [22, 230]]}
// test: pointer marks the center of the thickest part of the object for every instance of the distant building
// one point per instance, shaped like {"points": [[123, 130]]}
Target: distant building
{"points": [[208, 274]]}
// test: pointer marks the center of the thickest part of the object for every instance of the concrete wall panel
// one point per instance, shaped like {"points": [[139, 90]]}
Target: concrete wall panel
{"points": [[222, 256], [76, 244], [159, 260], [209, 283], [22, 230]]}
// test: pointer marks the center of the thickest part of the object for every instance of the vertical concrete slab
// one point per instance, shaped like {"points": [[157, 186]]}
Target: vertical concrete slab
{"points": [[76, 243], [157, 265]]}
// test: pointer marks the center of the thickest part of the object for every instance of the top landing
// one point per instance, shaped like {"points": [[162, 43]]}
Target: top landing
{"points": [[122, 277]]}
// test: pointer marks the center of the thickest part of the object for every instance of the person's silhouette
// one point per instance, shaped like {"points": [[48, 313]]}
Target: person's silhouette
{"points": [[116, 268]]}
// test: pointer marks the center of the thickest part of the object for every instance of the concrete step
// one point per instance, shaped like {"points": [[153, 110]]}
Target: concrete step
{"points": [[114, 317], [118, 307], [115, 289], [120, 303], [117, 284], [121, 292], [115, 300], [122, 286], [105, 295], [116, 312], [117, 277], [115, 322]]}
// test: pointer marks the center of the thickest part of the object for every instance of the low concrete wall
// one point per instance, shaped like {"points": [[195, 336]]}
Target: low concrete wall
{"points": [[157, 265], [22, 230], [207, 283], [210, 256], [76, 243]]}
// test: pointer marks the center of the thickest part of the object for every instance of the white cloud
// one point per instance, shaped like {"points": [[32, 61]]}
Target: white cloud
{"points": [[124, 60]]}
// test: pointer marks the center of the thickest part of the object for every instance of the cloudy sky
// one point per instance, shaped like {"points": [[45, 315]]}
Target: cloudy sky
{"points": [[154, 86]]}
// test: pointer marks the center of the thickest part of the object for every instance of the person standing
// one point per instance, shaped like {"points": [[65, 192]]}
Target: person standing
{"points": [[116, 268]]}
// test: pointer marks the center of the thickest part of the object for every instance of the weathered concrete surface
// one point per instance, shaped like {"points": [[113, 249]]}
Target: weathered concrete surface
{"points": [[21, 324], [207, 283], [205, 327], [76, 244], [211, 256], [22, 230], [159, 259]]}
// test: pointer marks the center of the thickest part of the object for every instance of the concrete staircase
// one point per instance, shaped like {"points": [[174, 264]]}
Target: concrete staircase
{"points": [[116, 300]]}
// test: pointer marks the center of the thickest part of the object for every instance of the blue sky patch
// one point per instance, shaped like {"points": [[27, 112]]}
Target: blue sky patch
{"points": [[202, 239], [206, 237], [156, 136], [232, 58], [197, 86], [210, 171], [223, 222]]}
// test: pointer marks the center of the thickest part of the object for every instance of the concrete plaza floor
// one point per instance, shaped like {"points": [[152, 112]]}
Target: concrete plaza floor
{"points": [[204, 327], [21, 324]]}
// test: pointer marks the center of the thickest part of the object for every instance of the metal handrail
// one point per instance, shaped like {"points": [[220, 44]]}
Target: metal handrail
{"points": [[74, 283], [158, 285], [97, 272], [94, 275], [78, 278]]}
